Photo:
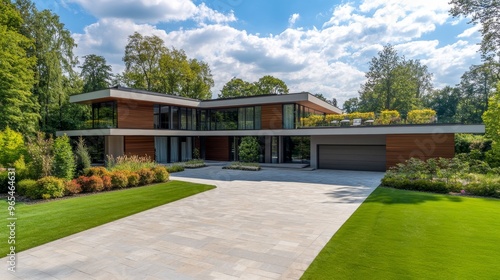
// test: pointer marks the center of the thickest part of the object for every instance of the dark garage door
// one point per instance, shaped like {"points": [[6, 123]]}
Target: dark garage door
{"points": [[351, 157]]}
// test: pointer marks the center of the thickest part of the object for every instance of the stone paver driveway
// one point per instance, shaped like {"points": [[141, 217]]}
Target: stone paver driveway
{"points": [[256, 225]]}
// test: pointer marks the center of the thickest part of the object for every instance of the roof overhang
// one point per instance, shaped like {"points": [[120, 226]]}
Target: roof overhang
{"points": [[113, 94], [302, 98], [374, 130]]}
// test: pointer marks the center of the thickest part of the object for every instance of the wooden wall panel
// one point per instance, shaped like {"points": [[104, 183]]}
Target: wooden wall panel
{"points": [[424, 146], [272, 116], [140, 145], [217, 148], [133, 114]]}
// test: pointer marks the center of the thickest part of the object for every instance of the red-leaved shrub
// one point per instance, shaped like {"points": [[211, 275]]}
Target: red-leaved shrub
{"points": [[91, 184], [106, 180], [72, 187], [98, 171]]}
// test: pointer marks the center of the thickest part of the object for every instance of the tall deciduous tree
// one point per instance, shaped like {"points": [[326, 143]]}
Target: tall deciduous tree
{"points": [[475, 87], [445, 102], [199, 81], [351, 105], [394, 83], [53, 49], [96, 74], [487, 14], [271, 85], [142, 61], [18, 107], [237, 87]]}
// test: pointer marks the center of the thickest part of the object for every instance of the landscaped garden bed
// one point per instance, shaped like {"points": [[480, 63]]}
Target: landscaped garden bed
{"points": [[247, 166]]}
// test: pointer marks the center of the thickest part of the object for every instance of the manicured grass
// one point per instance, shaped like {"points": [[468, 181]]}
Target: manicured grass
{"points": [[44, 222], [397, 234]]}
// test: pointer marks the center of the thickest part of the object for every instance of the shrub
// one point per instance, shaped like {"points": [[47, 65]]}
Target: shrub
{"points": [[465, 143], [249, 149], [146, 176], [22, 171], [26, 186], [492, 157], [313, 120], [363, 116], [421, 116], [4, 182], [388, 117], [106, 182], [478, 166], [72, 187], [11, 146], [82, 156], [129, 163], [161, 174], [175, 168], [119, 180], [98, 171], [40, 156], [91, 184], [48, 187], [133, 179], [64, 161]]}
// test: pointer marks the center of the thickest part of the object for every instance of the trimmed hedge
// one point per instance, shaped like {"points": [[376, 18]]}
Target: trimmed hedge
{"points": [[47, 187]]}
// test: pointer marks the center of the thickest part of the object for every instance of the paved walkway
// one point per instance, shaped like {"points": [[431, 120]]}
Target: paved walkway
{"points": [[256, 225]]}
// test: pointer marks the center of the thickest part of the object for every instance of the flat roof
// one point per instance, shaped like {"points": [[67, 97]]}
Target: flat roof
{"points": [[303, 98], [324, 131]]}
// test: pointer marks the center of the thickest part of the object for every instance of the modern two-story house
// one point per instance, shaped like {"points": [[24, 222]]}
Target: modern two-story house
{"points": [[171, 128]]}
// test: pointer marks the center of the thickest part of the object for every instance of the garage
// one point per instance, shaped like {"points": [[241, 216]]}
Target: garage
{"points": [[352, 157]]}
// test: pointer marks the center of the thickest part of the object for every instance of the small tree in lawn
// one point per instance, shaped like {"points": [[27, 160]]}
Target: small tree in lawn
{"points": [[249, 149], [64, 162], [82, 156]]}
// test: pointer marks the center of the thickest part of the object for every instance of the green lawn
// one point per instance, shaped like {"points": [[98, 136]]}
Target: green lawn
{"points": [[44, 222], [397, 234]]}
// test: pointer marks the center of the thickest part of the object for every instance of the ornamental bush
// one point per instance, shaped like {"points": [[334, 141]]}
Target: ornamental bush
{"points": [[98, 171], [26, 186], [119, 179], [72, 187], [48, 187], [91, 184], [161, 174], [64, 161], [388, 117], [82, 156], [249, 149], [133, 179], [106, 182], [146, 176], [11, 146], [421, 116]]}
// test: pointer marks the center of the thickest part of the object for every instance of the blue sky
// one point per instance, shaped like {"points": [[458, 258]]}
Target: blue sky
{"points": [[318, 46]]}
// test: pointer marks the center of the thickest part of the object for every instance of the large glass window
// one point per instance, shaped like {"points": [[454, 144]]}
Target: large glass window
{"points": [[257, 115], [296, 149], [175, 117], [104, 115], [162, 116], [288, 116]]}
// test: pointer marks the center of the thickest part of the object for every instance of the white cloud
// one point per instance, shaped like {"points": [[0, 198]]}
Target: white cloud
{"points": [[293, 18], [470, 31], [331, 60], [153, 11]]}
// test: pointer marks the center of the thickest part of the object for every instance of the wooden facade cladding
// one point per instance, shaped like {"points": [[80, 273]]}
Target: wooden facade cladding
{"points": [[217, 148], [133, 114], [401, 147], [140, 146], [272, 116]]}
